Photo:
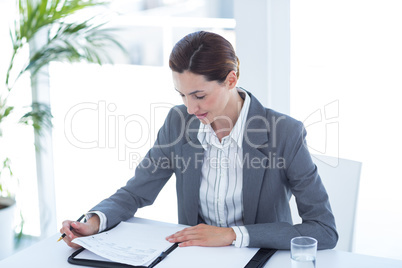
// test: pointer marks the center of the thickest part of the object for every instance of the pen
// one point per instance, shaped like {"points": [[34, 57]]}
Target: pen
{"points": [[163, 255], [64, 234]]}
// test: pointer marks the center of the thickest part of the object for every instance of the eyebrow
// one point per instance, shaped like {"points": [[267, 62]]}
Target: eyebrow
{"points": [[191, 93]]}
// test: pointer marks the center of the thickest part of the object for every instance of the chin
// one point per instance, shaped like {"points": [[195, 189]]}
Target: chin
{"points": [[205, 121]]}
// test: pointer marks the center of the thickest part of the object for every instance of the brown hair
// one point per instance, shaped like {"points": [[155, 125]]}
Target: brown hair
{"points": [[206, 54]]}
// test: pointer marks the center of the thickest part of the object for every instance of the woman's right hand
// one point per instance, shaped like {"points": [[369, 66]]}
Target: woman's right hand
{"points": [[79, 229]]}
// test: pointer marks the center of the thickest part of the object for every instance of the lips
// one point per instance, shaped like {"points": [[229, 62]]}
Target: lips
{"points": [[201, 116]]}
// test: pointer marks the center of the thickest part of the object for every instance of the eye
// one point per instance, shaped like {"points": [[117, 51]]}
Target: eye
{"points": [[181, 95], [199, 98]]}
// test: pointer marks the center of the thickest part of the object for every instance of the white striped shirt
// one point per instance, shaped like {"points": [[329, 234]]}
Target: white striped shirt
{"points": [[221, 199]]}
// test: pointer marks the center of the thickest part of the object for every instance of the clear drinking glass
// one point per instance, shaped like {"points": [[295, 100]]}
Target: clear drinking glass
{"points": [[303, 251]]}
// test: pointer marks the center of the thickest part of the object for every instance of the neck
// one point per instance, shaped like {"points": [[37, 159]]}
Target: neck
{"points": [[223, 126]]}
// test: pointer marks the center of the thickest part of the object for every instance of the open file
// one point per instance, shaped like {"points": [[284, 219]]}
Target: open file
{"points": [[139, 244]]}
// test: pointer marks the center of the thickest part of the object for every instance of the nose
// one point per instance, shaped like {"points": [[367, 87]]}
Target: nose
{"points": [[192, 106]]}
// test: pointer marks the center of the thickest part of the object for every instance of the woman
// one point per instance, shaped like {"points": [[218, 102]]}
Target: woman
{"points": [[236, 163]]}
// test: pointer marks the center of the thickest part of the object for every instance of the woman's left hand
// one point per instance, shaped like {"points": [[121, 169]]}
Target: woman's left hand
{"points": [[203, 235]]}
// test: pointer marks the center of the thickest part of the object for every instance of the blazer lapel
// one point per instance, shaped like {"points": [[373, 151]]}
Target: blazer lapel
{"points": [[193, 154], [254, 161]]}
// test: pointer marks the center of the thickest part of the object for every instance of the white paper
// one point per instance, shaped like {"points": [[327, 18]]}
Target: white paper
{"points": [[130, 243], [206, 257]]}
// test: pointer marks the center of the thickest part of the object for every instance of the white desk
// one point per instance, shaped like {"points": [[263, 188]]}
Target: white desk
{"points": [[48, 253]]}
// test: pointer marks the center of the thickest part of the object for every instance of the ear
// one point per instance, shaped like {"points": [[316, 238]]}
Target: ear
{"points": [[231, 80]]}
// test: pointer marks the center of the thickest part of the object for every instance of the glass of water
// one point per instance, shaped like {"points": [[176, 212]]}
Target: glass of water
{"points": [[303, 251]]}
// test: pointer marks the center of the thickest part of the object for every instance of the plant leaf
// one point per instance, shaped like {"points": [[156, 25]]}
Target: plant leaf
{"points": [[39, 116]]}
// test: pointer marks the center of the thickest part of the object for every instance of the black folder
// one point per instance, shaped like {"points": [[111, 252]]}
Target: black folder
{"points": [[258, 260]]}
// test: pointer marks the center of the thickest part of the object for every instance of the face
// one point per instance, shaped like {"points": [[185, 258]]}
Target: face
{"points": [[208, 100]]}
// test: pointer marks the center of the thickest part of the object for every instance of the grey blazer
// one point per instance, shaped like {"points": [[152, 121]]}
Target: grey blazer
{"points": [[276, 163]]}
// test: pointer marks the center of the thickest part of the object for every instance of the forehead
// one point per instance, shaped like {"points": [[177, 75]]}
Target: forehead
{"points": [[187, 82]]}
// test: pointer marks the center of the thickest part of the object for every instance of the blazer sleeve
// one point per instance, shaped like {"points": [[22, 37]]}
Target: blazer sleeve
{"points": [[311, 198], [150, 176]]}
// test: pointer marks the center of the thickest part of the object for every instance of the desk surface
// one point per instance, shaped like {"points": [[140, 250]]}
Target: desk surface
{"points": [[48, 253]]}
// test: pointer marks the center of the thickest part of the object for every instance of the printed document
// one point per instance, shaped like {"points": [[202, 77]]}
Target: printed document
{"points": [[130, 243]]}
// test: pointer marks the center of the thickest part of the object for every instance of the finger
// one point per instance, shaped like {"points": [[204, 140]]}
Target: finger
{"points": [[65, 226], [74, 229], [188, 230], [78, 227], [174, 237], [179, 233], [191, 243], [68, 240], [184, 238], [66, 229], [73, 245]]}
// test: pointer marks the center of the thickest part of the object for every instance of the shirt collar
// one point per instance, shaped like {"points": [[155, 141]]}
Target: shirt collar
{"points": [[206, 135]]}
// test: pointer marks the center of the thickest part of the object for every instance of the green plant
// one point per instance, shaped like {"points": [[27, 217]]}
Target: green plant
{"points": [[5, 168], [66, 41], [62, 40]]}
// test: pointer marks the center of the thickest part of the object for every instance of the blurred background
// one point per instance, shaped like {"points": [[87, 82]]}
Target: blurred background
{"points": [[343, 55]]}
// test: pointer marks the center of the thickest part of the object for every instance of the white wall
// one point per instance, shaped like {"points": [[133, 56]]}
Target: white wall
{"points": [[346, 56], [263, 46]]}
